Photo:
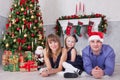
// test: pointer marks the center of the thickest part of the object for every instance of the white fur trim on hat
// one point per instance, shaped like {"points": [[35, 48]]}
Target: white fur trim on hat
{"points": [[95, 37]]}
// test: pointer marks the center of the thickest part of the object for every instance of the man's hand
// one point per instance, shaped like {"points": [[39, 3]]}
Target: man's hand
{"points": [[97, 72]]}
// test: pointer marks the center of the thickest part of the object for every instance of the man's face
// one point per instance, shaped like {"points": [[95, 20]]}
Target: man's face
{"points": [[95, 46]]}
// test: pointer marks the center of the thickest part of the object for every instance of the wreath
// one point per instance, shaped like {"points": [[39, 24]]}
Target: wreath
{"points": [[102, 27]]}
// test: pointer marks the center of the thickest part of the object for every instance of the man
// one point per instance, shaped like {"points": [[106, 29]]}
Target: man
{"points": [[98, 58]]}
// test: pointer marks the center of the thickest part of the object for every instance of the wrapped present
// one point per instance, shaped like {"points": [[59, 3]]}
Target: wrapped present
{"points": [[28, 55], [28, 66], [5, 57], [13, 63]]}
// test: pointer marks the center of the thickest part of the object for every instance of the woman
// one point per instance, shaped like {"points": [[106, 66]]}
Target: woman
{"points": [[54, 56]]}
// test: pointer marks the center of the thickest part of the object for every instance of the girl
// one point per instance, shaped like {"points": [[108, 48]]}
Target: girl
{"points": [[54, 56], [74, 64]]}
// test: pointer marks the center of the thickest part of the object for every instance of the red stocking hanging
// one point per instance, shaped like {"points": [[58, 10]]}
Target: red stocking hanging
{"points": [[68, 29], [89, 27]]}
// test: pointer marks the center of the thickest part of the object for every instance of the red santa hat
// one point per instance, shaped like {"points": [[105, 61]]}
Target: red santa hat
{"points": [[96, 36]]}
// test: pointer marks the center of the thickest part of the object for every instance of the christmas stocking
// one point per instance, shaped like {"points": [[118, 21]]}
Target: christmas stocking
{"points": [[89, 27], [78, 28], [69, 28]]}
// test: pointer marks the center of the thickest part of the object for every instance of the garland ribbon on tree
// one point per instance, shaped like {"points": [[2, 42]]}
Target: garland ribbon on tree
{"points": [[102, 27]]}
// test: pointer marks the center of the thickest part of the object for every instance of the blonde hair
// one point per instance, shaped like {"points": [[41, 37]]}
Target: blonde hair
{"points": [[55, 38]]}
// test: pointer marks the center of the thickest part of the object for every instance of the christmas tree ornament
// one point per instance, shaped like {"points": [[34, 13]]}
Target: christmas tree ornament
{"points": [[25, 13], [17, 12], [29, 47], [38, 14], [40, 25], [32, 17], [34, 27], [40, 37], [31, 11], [17, 19], [25, 35], [31, 5], [9, 16], [13, 21], [32, 35], [14, 40], [22, 9], [36, 21], [20, 48], [15, 5], [7, 45], [23, 19]]}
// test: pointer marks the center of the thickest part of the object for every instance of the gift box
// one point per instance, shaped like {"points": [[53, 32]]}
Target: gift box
{"points": [[28, 66]]}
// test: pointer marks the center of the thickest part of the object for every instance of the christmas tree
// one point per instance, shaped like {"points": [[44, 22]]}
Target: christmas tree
{"points": [[24, 29]]}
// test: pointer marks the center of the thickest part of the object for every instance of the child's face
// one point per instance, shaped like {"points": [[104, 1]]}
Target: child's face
{"points": [[70, 42]]}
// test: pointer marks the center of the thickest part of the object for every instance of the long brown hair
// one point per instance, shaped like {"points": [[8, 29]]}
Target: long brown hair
{"points": [[52, 37]]}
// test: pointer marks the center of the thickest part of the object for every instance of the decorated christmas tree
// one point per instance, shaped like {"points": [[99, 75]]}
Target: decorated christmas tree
{"points": [[24, 29]]}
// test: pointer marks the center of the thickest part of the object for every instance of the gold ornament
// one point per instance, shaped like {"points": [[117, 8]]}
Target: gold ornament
{"points": [[22, 9], [40, 37], [14, 40], [10, 16], [32, 17], [23, 19], [42, 43], [15, 5], [34, 27], [13, 21], [40, 24], [31, 5], [25, 35], [7, 45]]}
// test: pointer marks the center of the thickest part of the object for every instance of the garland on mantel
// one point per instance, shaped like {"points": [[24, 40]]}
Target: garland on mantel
{"points": [[102, 26]]}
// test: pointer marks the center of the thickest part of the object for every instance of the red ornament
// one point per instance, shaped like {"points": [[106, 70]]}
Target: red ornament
{"points": [[7, 26], [11, 9], [22, 2], [32, 35], [38, 14], [16, 19], [18, 29], [36, 21], [17, 13], [20, 48], [32, 1], [25, 13], [29, 47]]}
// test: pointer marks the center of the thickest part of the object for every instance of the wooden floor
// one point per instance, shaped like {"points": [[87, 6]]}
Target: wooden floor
{"points": [[6, 75]]}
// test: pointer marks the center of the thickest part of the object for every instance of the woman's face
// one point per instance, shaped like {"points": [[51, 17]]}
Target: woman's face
{"points": [[96, 45], [54, 45], [70, 42]]}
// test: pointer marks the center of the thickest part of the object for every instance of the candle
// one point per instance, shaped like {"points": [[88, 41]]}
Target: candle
{"points": [[22, 28], [83, 8], [20, 31], [35, 40], [76, 9], [79, 6], [32, 45]]}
